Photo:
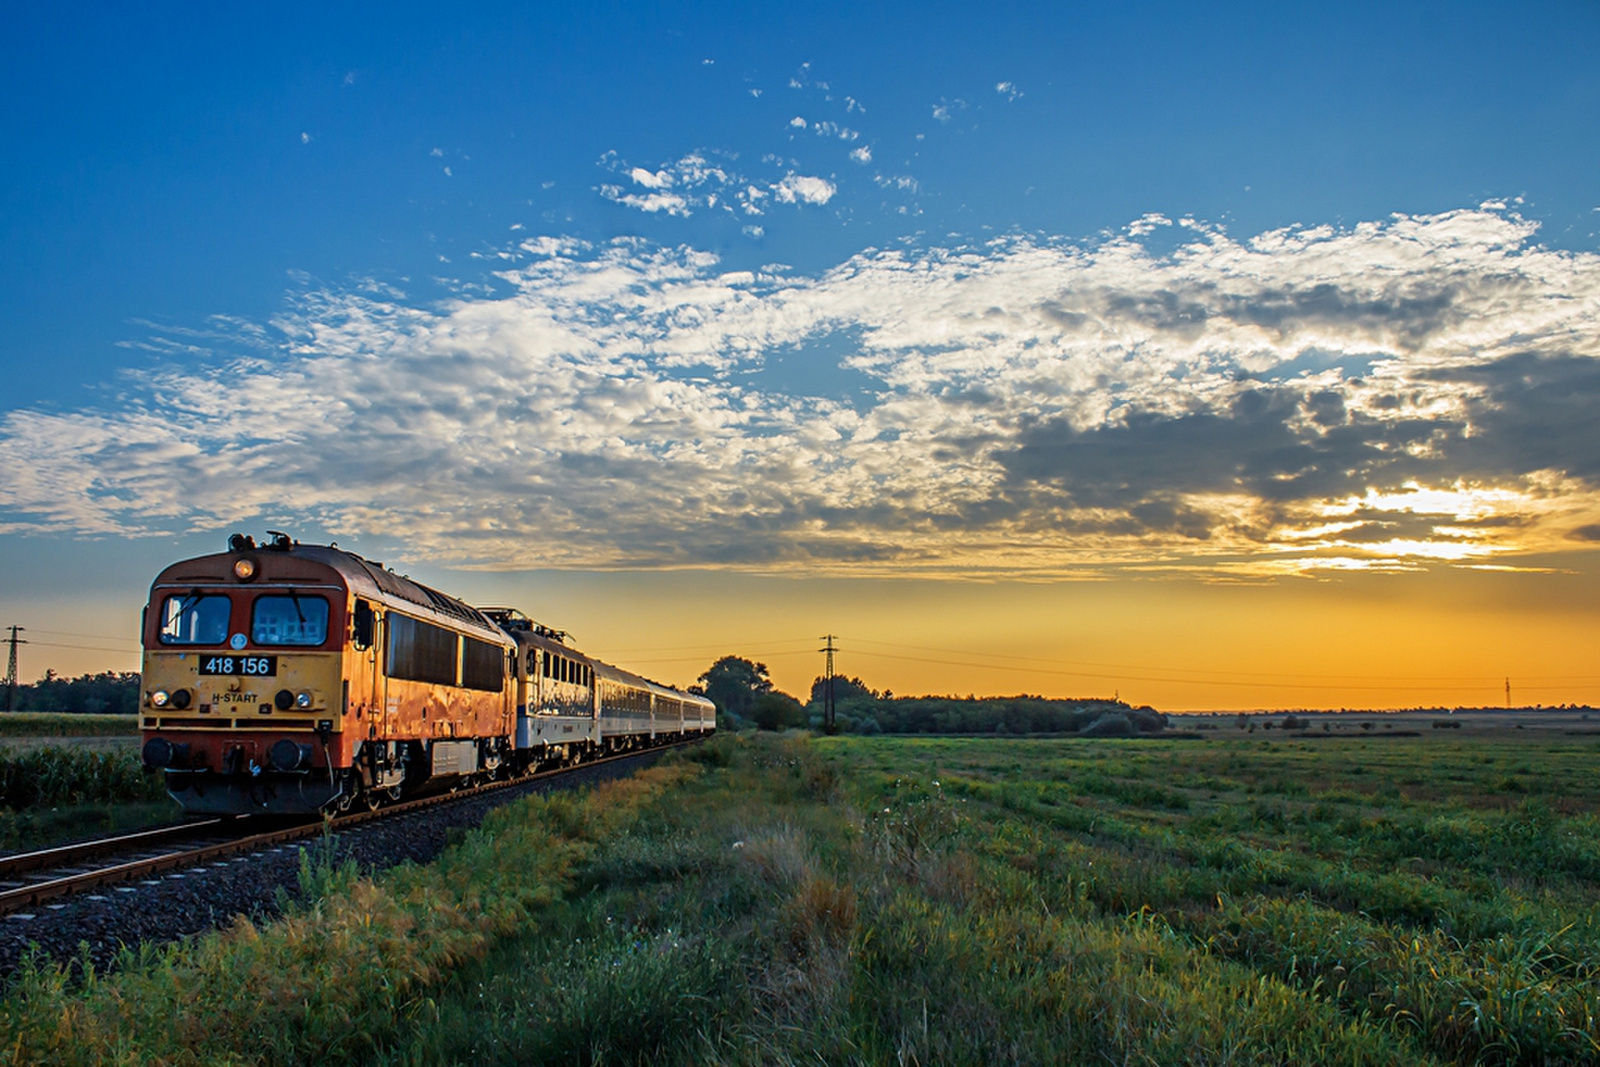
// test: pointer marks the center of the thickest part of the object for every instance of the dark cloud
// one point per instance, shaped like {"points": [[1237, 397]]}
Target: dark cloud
{"points": [[1536, 412], [1258, 445], [1410, 315]]}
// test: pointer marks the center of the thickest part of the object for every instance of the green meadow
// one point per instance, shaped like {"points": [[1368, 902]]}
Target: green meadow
{"points": [[766, 899]]}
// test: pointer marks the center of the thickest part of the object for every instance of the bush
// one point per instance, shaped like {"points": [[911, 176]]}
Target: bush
{"points": [[1110, 725], [777, 711]]}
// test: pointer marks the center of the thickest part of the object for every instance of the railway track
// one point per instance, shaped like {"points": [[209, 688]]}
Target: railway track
{"points": [[31, 879]]}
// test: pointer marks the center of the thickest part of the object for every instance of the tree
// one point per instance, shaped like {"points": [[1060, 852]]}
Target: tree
{"points": [[733, 683], [843, 689], [777, 711]]}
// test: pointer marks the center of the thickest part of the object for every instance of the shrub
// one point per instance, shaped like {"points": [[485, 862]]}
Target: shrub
{"points": [[1109, 725], [777, 711]]}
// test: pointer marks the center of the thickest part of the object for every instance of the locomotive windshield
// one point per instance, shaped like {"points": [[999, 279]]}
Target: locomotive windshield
{"points": [[289, 620], [194, 619]]}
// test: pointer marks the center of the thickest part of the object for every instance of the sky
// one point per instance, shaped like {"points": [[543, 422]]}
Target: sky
{"points": [[1210, 357]]}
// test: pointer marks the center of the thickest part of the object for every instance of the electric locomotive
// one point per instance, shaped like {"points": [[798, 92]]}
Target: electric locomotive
{"points": [[570, 705]]}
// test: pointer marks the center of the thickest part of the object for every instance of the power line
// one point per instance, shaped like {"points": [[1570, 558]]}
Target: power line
{"points": [[93, 637], [1488, 680], [86, 648]]}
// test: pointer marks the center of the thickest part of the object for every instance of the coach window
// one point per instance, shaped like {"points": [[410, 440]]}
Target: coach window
{"points": [[544, 664], [289, 620], [195, 620]]}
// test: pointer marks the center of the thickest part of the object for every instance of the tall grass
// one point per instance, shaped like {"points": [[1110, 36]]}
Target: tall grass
{"points": [[53, 776], [766, 900]]}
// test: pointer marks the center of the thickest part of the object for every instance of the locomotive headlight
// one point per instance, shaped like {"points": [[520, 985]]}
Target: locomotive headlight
{"points": [[159, 698], [303, 699], [180, 698], [244, 569]]}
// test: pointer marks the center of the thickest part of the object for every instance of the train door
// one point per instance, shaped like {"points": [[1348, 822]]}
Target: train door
{"points": [[369, 680]]}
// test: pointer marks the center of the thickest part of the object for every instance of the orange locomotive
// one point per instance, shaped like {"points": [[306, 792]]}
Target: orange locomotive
{"points": [[291, 679]]}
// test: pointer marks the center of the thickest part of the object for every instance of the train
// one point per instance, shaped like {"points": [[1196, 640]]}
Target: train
{"points": [[284, 678]]}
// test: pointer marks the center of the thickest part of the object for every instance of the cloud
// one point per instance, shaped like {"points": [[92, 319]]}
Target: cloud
{"points": [[660, 179], [800, 188], [1008, 90], [697, 183], [1400, 394], [862, 154]]}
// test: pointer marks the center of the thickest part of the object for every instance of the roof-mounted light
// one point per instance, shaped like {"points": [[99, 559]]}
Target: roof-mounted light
{"points": [[244, 569]]}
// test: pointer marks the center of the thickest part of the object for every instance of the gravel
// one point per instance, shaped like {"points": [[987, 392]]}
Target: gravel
{"points": [[196, 899]]}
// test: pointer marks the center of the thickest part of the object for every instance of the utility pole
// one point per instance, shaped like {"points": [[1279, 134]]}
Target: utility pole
{"points": [[828, 724], [11, 666], [1508, 694]]}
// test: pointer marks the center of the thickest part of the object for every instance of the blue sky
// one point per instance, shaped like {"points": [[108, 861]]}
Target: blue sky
{"points": [[979, 292]]}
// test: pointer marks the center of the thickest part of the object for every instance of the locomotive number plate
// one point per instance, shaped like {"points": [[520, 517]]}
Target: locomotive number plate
{"points": [[248, 666]]}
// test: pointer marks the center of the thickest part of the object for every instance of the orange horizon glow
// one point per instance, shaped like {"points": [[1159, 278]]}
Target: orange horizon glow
{"points": [[1440, 638]]}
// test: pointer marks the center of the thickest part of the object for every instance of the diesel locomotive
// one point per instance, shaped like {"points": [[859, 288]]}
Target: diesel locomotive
{"points": [[284, 678]]}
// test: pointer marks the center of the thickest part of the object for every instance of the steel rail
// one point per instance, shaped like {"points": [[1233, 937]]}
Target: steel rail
{"points": [[14, 900], [65, 855]]}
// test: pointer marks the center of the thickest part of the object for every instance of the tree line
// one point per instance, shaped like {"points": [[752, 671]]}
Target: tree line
{"points": [[109, 692], [744, 695]]}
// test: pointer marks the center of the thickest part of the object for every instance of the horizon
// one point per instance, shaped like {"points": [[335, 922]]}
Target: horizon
{"points": [[1027, 350]]}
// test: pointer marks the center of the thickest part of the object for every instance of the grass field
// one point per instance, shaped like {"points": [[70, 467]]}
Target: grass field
{"points": [[62, 724], [760, 900]]}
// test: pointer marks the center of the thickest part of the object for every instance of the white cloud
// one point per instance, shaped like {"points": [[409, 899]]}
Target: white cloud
{"points": [[1398, 394], [305, 138], [437, 153], [801, 188], [798, 123], [697, 184], [1008, 90], [660, 179], [650, 203], [862, 154]]}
